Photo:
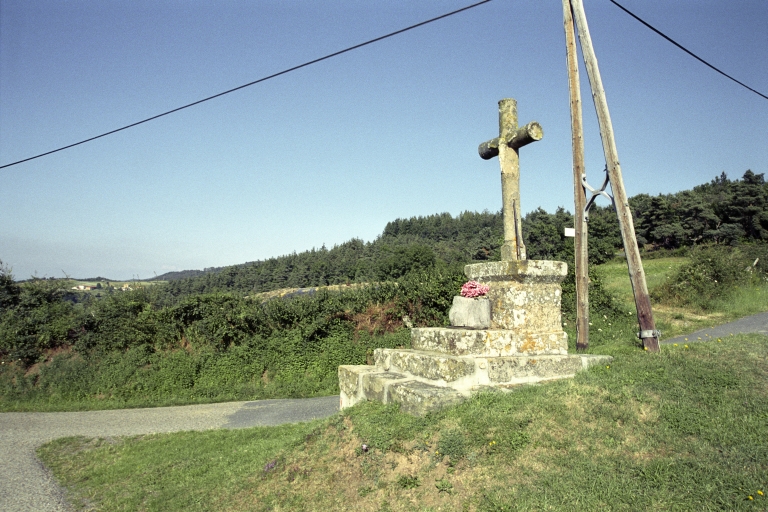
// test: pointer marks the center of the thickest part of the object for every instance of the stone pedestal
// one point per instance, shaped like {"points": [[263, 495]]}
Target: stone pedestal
{"points": [[524, 344], [474, 313], [525, 295]]}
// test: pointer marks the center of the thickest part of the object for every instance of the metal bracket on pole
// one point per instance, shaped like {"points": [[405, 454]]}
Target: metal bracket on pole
{"points": [[596, 192], [649, 334]]}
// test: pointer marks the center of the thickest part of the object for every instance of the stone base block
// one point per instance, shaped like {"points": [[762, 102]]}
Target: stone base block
{"points": [[514, 370], [524, 295], [414, 379], [488, 342], [470, 312], [465, 373], [360, 383], [376, 385], [418, 398], [351, 383], [430, 366]]}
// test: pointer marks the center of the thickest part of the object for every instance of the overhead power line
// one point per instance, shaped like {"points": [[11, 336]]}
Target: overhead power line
{"points": [[686, 50], [285, 71]]}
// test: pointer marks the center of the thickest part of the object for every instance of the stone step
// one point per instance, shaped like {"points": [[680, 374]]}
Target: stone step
{"points": [[459, 341], [467, 372], [360, 383], [431, 366], [423, 382], [419, 398]]}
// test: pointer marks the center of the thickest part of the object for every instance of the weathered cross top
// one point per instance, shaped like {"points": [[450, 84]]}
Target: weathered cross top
{"points": [[510, 139]]}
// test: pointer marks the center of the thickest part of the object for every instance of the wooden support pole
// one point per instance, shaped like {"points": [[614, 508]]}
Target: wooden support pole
{"points": [[648, 332], [581, 260]]}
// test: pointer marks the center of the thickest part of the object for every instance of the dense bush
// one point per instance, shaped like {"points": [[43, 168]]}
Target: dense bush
{"points": [[40, 315], [131, 347], [712, 274]]}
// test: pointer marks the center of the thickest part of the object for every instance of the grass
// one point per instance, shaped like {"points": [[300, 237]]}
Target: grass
{"points": [[685, 429], [673, 321]]}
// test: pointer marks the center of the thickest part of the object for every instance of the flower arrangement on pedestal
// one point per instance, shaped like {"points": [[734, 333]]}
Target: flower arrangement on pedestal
{"points": [[473, 289], [472, 308]]}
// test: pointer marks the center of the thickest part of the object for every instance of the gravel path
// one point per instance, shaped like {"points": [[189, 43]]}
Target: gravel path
{"points": [[25, 485]]}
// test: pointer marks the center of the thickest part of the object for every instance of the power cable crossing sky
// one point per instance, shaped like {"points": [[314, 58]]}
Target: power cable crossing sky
{"points": [[355, 47]]}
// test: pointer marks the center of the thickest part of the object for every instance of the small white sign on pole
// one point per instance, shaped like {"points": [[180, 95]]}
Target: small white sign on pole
{"points": [[571, 232]]}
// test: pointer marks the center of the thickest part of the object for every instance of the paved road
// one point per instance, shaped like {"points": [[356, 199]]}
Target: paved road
{"points": [[25, 485], [752, 324]]}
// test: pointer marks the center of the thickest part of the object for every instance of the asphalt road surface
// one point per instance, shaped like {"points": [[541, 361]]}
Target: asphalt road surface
{"points": [[751, 324], [25, 485]]}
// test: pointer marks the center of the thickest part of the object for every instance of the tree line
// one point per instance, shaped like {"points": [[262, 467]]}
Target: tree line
{"points": [[723, 211]]}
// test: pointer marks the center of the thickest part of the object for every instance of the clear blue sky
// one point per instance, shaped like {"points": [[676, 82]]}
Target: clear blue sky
{"points": [[336, 150]]}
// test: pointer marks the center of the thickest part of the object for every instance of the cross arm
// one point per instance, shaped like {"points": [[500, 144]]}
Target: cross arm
{"points": [[522, 136]]}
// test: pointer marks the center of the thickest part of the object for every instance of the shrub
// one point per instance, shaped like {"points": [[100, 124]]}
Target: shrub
{"points": [[712, 274], [426, 296]]}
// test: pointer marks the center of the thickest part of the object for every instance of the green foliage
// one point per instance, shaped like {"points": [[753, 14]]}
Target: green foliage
{"points": [[200, 338], [426, 296], [38, 316], [9, 290], [712, 275], [130, 348], [396, 262], [601, 301], [408, 482], [722, 212]]}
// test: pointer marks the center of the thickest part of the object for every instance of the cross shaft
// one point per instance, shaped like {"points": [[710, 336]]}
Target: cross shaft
{"points": [[511, 138]]}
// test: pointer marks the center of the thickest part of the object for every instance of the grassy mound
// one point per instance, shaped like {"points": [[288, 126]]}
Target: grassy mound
{"points": [[681, 430]]}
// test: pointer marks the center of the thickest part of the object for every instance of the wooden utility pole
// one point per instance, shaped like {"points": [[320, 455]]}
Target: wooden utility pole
{"points": [[581, 260], [648, 332]]}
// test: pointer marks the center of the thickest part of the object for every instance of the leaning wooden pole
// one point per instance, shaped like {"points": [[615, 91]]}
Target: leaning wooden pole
{"points": [[581, 260], [648, 332]]}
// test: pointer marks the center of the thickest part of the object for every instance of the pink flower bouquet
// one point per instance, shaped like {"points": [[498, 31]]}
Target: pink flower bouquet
{"points": [[472, 289]]}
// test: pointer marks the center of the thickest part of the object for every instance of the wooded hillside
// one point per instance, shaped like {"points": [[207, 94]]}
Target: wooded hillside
{"points": [[723, 211]]}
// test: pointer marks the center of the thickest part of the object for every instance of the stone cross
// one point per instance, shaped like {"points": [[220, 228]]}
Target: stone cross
{"points": [[505, 146]]}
